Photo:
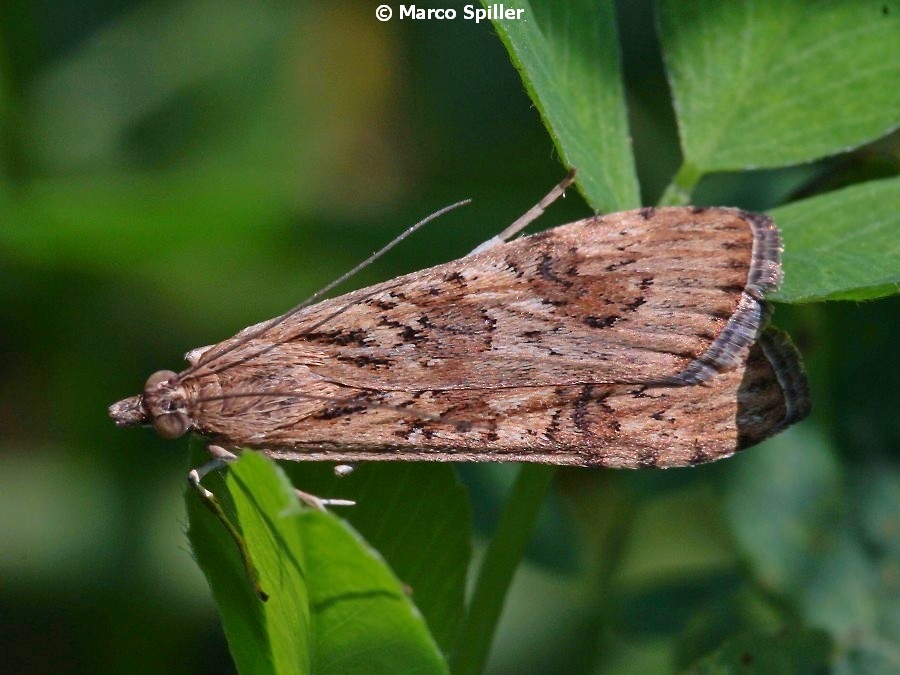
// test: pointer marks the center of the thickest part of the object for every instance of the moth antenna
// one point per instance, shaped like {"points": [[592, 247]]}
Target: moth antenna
{"points": [[213, 353], [412, 412]]}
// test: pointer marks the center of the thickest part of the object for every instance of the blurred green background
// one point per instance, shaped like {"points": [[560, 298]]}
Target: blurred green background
{"points": [[172, 171]]}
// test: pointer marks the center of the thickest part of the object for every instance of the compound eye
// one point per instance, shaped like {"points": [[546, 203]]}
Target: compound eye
{"points": [[158, 378], [171, 425]]}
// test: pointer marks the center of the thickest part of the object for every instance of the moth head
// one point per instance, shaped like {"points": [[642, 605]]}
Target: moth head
{"points": [[163, 404]]}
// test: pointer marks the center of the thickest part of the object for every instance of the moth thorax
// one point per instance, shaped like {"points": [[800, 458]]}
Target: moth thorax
{"points": [[165, 404]]}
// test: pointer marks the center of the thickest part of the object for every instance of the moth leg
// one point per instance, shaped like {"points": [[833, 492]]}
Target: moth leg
{"points": [[530, 215], [220, 459], [193, 357], [319, 503], [342, 470]]}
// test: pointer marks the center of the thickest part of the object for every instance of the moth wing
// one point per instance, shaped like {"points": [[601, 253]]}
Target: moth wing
{"points": [[628, 426], [670, 294]]}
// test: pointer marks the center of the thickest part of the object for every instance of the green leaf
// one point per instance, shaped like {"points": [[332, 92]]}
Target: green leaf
{"points": [[364, 623], [840, 592], [567, 54], [417, 516], [723, 616], [880, 504], [793, 651], [766, 83], [334, 605], [843, 245], [878, 499], [782, 501], [791, 518]]}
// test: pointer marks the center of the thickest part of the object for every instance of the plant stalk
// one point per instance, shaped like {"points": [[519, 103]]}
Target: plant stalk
{"points": [[499, 566], [679, 191]]}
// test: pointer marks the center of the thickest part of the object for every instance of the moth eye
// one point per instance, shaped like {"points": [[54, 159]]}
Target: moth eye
{"points": [[158, 378], [171, 425]]}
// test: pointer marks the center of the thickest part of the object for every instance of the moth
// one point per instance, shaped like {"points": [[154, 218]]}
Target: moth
{"points": [[634, 339]]}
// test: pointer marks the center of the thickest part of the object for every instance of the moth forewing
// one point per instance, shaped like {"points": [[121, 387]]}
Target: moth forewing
{"points": [[614, 425], [650, 294]]}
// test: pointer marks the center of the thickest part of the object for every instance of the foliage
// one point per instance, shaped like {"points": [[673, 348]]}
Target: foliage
{"points": [[145, 206], [750, 89]]}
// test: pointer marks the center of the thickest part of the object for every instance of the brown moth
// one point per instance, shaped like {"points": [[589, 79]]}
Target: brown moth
{"points": [[632, 339]]}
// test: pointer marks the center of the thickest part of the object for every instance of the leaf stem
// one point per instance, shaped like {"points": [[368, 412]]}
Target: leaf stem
{"points": [[498, 568], [679, 191]]}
